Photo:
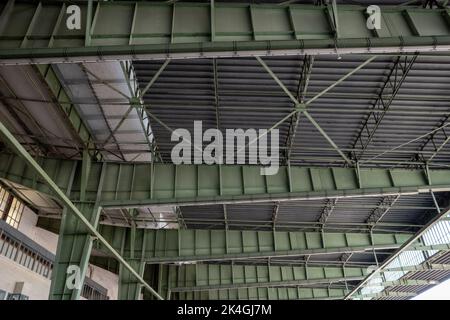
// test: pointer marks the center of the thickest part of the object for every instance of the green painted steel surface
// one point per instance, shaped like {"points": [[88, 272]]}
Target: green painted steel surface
{"points": [[140, 184], [161, 30], [165, 246], [129, 287], [89, 222], [206, 281], [74, 249], [201, 277]]}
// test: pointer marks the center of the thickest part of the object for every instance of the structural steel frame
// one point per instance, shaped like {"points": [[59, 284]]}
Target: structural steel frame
{"points": [[204, 277], [391, 86], [89, 222], [191, 30], [132, 185], [167, 245], [68, 108], [406, 246], [188, 30]]}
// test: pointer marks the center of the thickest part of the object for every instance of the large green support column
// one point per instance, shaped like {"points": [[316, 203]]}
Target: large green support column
{"points": [[129, 287], [74, 249], [75, 239]]}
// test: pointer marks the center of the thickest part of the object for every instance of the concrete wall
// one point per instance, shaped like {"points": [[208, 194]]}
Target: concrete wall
{"points": [[36, 286], [27, 226]]}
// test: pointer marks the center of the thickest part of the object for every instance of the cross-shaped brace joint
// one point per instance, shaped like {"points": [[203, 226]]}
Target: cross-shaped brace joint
{"points": [[300, 107]]}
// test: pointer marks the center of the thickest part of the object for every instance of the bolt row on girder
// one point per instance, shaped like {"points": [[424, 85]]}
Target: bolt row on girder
{"points": [[37, 32]]}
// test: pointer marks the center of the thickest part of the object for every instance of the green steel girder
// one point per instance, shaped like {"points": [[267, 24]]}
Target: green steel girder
{"points": [[264, 294], [37, 32], [141, 184], [223, 279], [424, 267], [62, 98], [206, 277], [129, 287], [302, 89], [167, 246], [167, 277]]}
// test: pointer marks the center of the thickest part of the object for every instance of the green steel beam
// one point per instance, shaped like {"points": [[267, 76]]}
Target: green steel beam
{"points": [[166, 246], [264, 294], [62, 98], [53, 223], [440, 247], [201, 277], [382, 209], [129, 287], [425, 267], [388, 294], [404, 282], [36, 33], [141, 184]]}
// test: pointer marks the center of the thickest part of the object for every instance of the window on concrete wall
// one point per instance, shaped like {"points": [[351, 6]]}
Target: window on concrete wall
{"points": [[15, 213], [11, 208], [4, 198]]}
